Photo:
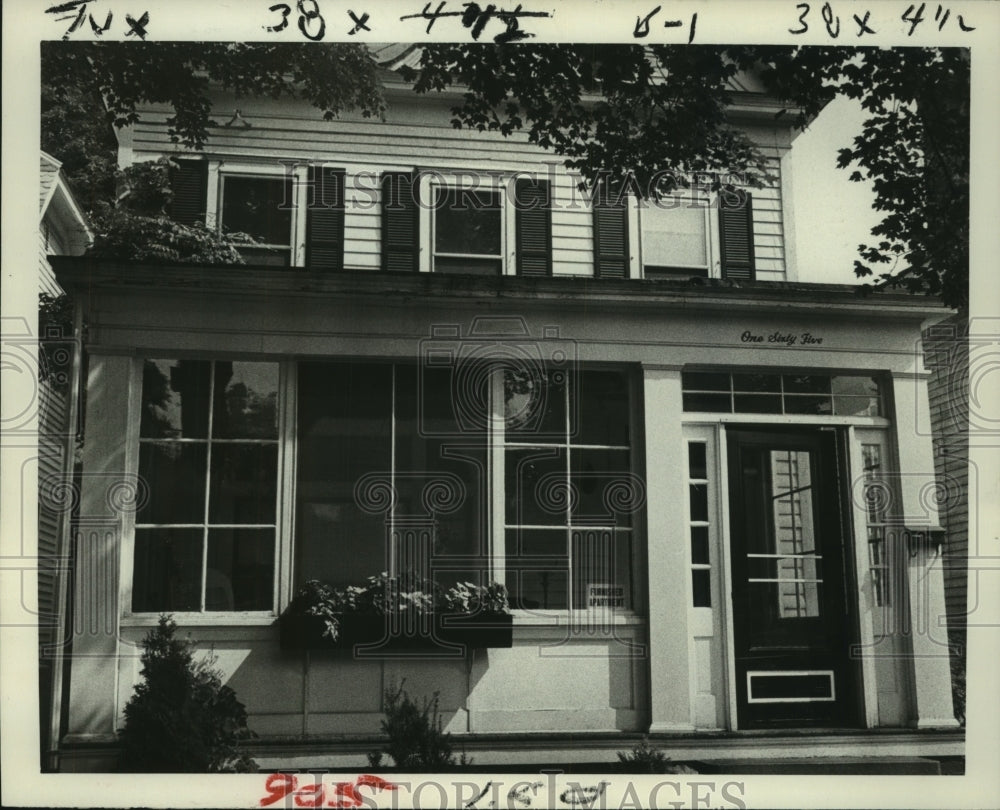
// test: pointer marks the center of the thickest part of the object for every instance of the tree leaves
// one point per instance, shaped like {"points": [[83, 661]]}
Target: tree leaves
{"points": [[656, 114]]}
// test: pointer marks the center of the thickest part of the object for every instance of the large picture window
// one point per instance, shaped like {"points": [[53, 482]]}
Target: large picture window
{"points": [[208, 456], [389, 478], [394, 470]]}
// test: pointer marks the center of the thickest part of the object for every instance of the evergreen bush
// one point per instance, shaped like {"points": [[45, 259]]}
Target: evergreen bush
{"points": [[416, 741], [181, 718]]}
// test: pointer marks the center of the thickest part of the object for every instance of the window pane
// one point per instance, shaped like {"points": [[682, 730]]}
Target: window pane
{"points": [[246, 401], [537, 588], [259, 207], [452, 400], [807, 383], [757, 403], [345, 434], [603, 488], [467, 222], [174, 399], [537, 543], [468, 266], [536, 488], [757, 383], [535, 403], [712, 403], [699, 501], [699, 545], [603, 408], [701, 586], [240, 572], [704, 381], [174, 474], [799, 403], [244, 483], [697, 466], [439, 479], [856, 406], [166, 574], [673, 233], [601, 559], [857, 386], [265, 256]]}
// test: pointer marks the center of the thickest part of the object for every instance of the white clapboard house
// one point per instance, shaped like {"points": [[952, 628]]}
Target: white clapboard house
{"points": [[706, 484]]}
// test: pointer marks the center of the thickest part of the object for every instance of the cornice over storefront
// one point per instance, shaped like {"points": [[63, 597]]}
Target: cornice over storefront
{"points": [[87, 275]]}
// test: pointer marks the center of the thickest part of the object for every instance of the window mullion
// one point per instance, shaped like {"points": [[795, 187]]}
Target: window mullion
{"points": [[392, 474], [497, 450], [569, 498], [208, 485]]}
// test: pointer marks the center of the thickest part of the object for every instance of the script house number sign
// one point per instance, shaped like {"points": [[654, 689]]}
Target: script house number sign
{"points": [[782, 337]]}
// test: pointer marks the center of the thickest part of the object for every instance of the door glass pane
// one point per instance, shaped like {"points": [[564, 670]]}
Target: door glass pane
{"points": [[793, 535]]}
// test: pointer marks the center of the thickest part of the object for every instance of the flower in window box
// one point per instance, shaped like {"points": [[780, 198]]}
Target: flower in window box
{"points": [[323, 616]]}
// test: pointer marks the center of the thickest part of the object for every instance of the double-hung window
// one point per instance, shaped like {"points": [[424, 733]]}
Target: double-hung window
{"points": [[466, 223], [676, 235], [259, 206], [468, 228]]}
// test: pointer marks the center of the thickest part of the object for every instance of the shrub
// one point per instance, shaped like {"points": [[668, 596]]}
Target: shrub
{"points": [[645, 759], [416, 741], [181, 718]]}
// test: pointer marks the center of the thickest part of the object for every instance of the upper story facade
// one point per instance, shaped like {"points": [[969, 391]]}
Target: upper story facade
{"points": [[411, 192]]}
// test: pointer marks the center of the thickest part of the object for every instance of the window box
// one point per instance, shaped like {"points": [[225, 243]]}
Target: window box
{"points": [[299, 632], [399, 612]]}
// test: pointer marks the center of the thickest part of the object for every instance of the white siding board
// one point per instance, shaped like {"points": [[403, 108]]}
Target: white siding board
{"points": [[424, 138]]}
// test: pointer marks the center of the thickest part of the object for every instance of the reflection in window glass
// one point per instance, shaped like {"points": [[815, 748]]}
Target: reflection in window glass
{"points": [[570, 493], [391, 470], [258, 207], [795, 577], [467, 231], [806, 393], [208, 454]]}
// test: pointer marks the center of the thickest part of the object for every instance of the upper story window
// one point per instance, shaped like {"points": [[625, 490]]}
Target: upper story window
{"points": [[690, 233], [466, 223], [259, 206], [468, 231], [676, 236], [295, 213]]}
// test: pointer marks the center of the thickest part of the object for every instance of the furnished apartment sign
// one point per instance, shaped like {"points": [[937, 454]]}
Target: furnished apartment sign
{"points": [[605, 596]]}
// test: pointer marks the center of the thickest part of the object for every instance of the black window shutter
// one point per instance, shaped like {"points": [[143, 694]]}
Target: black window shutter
{"points": [[400, 222], [736, 235], [533, 224], [189, 183], [611, 257], [325, 219]]}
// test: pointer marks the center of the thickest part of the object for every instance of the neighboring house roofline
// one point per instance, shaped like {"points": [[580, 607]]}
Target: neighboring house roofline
{"points": [[58, 200]]}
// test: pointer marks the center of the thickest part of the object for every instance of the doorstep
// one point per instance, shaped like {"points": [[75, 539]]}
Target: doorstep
{"points": [[899, 766], [877, 751]]}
